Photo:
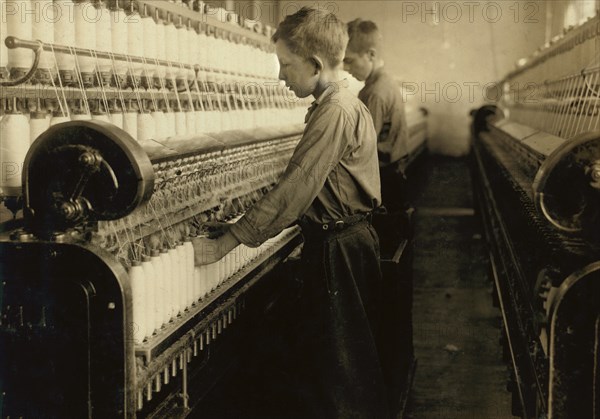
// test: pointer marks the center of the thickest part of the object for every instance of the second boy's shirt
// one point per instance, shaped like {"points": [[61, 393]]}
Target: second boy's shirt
{"points": [[383, 97]]}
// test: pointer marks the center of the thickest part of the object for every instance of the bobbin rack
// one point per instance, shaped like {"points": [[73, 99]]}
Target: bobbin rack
{"points": [[536, 171]]}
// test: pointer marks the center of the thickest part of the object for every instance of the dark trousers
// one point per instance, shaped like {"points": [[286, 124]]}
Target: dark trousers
{"points": [[341, 309], [393, 188]]}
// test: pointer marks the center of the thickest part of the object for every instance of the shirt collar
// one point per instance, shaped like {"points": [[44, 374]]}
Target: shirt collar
{"points": [[332, 88]]}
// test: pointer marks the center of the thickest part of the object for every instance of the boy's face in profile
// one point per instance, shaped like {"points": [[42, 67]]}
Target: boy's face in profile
{"points": [[298, 72], [358, 64]]}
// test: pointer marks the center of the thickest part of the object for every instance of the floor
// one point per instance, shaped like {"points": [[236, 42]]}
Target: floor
{"points": [[460, 373]]}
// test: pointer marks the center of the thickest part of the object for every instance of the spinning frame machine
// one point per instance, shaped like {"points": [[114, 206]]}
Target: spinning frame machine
{"points": [[537, 178]]}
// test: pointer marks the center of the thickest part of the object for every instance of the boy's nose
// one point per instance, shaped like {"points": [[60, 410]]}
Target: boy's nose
{"points": [[281, 75]]}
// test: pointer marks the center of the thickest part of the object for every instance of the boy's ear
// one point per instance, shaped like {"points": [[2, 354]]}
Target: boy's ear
{"points": [[372, 53], [318, 63]]}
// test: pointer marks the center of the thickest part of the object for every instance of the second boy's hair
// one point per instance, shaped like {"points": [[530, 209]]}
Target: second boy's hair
{"points": [[364, 35], [311, 31]]}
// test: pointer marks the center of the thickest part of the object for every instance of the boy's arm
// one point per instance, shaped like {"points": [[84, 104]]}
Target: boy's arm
{"points": [[321, 148]]}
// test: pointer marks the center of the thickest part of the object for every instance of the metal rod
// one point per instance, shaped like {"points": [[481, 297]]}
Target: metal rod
{"points": [[36, 47], [185, 386], [13, 43]]}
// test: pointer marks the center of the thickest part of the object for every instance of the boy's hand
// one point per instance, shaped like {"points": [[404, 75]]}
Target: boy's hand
{"points": [[207, 250], [215, 229]]}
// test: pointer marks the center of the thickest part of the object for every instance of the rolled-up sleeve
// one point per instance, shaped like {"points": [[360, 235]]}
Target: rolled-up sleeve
{"points": [[325, 140]]}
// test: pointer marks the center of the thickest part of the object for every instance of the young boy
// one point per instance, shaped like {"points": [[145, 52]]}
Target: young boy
{"points": [[383, 97], [330, 187]]}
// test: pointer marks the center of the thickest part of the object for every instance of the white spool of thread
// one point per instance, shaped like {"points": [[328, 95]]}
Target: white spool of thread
{"points": [[43, 30], [116, 118], [183, 40], [226, 120], [212, 277], [183, 278], [208, 122], [161, 48], [218, 123], [104, 41], [159, 270], [223, 262], [173, 276], [19, 23], [189, 269], [150, 45], [256, 61], [180, 123], [135, 41], [85, 37], [177, 278], [166, 308], [38, 123], [240, 258], [221, 273], [200, 122], [235, 58], [202, 49], [172, 49], [231, 263], [160, 124], [64, 34], [239, 59], [245, 58], [228, 55], [199, 272], [14, 137], [136, 278], [244, 256], [192, 54], [193, 51], [190, 121], [240, 119], [171, 125], [3, 47], [259, 62], [118, 22], [211, 53], [150, 295], [146, 128], [130, 123], [214, 121]]}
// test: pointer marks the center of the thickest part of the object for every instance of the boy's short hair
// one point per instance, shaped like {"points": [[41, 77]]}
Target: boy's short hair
{"points": [[364, 35], [310, 31]]}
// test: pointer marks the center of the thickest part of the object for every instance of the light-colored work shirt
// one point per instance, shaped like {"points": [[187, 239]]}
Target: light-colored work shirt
{"points": [[383, 97], [333, 172]]}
